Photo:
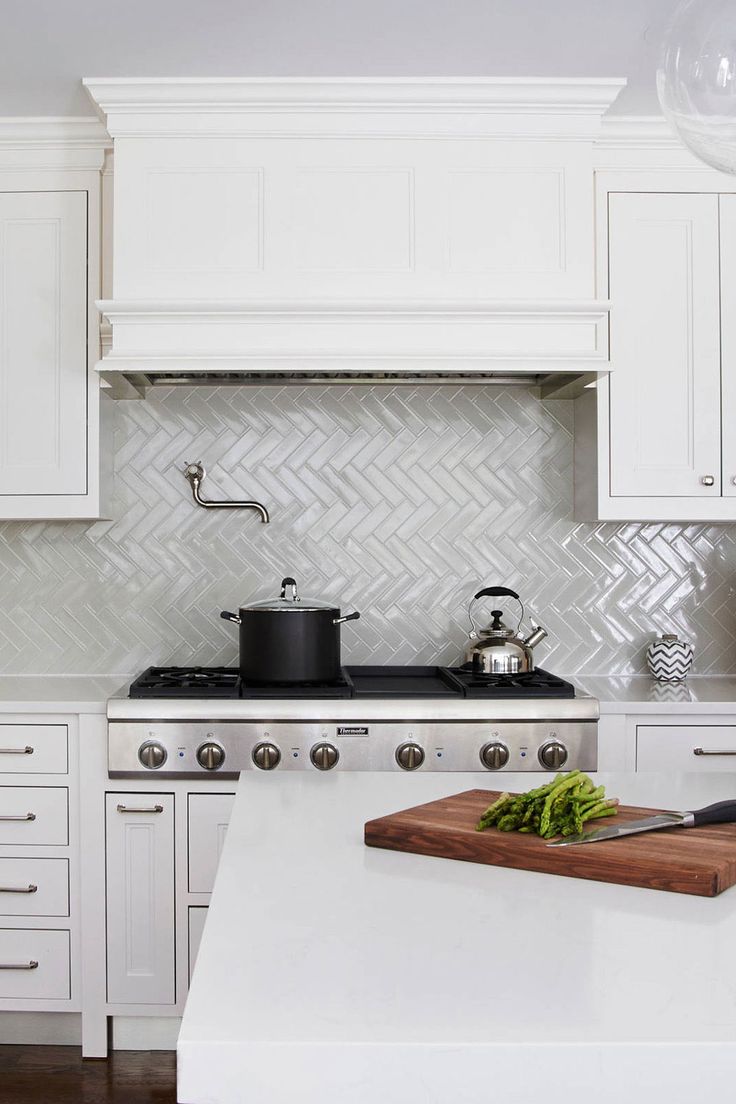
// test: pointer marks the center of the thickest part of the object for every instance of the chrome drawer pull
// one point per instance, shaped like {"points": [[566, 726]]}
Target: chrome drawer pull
{"points": [[20, 816], [18, 889], [704, 751], [140, 809], [32, 965], [27, 750]]}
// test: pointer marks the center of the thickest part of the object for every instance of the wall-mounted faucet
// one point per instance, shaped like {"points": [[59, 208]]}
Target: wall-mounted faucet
{"points": [[195, 473]]}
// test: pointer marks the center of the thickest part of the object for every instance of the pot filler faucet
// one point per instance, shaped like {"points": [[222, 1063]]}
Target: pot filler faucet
{"points": [[195, 474]]}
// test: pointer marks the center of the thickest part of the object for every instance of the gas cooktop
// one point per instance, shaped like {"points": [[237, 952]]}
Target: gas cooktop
{"points": [[187, 722], [356, 682]]}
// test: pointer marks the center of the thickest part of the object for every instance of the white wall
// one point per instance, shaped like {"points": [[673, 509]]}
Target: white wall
{"points": [[46, 46]]}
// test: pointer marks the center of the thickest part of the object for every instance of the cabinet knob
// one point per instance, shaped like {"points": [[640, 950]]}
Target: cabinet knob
{"points": [[707, 480]]}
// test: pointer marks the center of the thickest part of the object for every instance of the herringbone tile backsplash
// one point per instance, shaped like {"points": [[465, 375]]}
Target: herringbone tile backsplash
{"points": [[398, 502]]}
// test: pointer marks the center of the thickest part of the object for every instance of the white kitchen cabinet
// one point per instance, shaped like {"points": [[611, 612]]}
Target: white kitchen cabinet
{"points": [[727, 205], [54, 440], [33, 748], [696, 748], [197, 919], [208, 818], [664, 395], [31, 815], [43, 331], [34, 887], [140, 898], [34, 964], [651, 442]]}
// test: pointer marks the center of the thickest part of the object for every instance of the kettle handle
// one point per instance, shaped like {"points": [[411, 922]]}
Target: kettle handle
{"points": [[494, 592], [497, 592]]}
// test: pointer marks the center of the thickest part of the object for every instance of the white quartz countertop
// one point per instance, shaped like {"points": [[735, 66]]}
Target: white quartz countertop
{"points": [[329, 971], [700, 694], [59, 693], [642, 694]]}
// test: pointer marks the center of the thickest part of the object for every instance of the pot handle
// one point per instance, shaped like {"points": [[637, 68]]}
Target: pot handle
{"points": [[497, 592], [227, 616], [348, 617]]}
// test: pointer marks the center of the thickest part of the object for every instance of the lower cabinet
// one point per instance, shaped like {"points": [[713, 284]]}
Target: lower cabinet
{"points": [[197, 917], [207, 819], [34, 964], [682, 747], [140, 898]]}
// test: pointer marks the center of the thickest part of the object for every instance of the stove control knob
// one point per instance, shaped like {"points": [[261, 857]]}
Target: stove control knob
{"points": [[324, 756], [409, 756], [210, 756], [266, 756], [152, 754], [494, 755], [553, 755]]}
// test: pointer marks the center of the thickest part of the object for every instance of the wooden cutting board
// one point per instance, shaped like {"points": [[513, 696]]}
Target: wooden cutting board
{"points": [[701, 861]]}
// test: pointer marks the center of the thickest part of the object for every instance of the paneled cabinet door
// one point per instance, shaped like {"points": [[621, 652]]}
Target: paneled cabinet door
{"points": [[665, 432], [43, 343], [140, 898], [728, 340]]}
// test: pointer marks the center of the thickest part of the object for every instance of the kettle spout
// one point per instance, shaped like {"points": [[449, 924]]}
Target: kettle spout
{"points": [[536, 637]]}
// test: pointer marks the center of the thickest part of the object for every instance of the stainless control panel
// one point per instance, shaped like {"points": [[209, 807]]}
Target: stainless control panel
{"points": [[196, 749]]}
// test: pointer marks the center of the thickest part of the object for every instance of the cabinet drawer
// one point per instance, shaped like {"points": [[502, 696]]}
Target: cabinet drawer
{"points": [[34, 814], [695, 748], [33, 749], [34, 887], [34, 964], [197, 918], [209, 815]]}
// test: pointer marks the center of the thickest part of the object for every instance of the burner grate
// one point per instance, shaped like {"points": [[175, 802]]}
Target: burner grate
{"points": [[355, 682], [529, 684], [186, 682]]}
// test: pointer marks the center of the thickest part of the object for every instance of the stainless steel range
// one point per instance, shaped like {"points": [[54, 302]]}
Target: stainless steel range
{"points": [[199, 722]]}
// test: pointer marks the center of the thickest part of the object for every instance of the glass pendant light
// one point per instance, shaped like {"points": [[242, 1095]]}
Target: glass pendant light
{"points": [[696, 79]]}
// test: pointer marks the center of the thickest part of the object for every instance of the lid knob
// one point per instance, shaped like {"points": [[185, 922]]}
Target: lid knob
{"points": [[497, 624], [289, 582]]}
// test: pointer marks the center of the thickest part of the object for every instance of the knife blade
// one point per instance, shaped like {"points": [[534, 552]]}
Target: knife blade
{"points": [[722, 812]]}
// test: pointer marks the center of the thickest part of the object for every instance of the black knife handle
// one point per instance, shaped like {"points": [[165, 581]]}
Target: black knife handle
{"points": [[723, 812]]}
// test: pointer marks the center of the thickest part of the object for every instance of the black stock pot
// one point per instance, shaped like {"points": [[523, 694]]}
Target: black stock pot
{"points": [[289, 639]]}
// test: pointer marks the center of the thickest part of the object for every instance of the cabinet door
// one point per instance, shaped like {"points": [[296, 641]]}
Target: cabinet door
{"points": [[43, 343], [728, 340], [209, 816], [140, 898], [665, 433]]}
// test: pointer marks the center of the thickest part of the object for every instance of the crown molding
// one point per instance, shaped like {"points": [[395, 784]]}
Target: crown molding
{"points": [[519, 107], [49, 131], [113, 95], [637, 131], [52, 144]]}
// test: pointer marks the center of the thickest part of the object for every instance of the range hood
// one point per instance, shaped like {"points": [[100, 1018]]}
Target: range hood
{"points": [[353, 231]]}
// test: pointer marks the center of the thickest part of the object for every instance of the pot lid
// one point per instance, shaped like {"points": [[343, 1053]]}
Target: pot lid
{"points": [[497, 629], [290, 602]]}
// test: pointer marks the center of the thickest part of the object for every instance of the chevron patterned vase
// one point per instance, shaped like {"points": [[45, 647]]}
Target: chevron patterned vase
{"points": [[669, 659]]}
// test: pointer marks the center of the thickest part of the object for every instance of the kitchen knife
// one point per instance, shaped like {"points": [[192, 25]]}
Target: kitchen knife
{"points": [[722, 812]]}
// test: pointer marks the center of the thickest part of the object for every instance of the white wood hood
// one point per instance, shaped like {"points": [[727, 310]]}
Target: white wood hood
{"points": [[353, 227]]}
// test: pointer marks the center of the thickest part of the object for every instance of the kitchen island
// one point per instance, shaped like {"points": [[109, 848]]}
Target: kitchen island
{"points": [[330, 972]]}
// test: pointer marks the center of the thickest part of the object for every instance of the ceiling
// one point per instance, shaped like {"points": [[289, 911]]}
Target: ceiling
{"points": [[46, 46]]}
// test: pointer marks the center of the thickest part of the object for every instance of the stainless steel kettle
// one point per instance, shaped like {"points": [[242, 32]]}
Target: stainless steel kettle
{"points": [[498, 650]]}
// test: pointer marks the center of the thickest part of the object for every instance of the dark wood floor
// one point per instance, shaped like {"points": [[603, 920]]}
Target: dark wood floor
{"points": [[57, 1075]]}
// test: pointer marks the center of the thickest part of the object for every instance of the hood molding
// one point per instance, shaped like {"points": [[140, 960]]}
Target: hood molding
{"points": [[424, 225]]}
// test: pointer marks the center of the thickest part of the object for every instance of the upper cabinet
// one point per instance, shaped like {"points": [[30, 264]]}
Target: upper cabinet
{"points": [[51, 458], [654, 440], [353, 226]]}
